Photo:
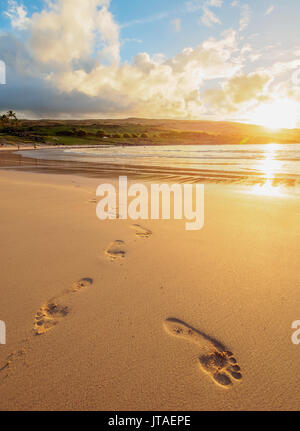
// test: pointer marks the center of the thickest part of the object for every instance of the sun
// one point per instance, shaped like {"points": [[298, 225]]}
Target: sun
{"points": [[280, 114]]}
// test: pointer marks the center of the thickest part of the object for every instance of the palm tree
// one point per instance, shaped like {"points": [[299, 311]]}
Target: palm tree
{"points": [[11, 115], [12, 118]]}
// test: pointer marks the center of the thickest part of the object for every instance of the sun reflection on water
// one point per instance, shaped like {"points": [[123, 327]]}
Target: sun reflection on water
{"points": [[267, 189], [269, 166]]}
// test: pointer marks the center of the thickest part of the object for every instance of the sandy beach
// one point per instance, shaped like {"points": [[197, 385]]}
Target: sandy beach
{"points": [[110, 316]]}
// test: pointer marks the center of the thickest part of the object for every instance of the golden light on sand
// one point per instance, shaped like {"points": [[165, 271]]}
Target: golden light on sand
{"points": [[281, 114]]}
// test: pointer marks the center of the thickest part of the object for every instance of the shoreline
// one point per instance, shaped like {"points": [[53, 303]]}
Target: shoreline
{"points": [[13, 160]]}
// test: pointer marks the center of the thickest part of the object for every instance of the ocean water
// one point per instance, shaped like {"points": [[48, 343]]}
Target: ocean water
{"points": [[279, 163]]}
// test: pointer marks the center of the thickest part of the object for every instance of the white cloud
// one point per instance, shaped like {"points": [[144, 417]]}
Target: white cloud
{"points": [[209, 18], [69, 65], [69, 30], [75, 83], [245, 16], [157, 87], [146, 20], [270, 10], [215, 3], [194, 5], [17, 15]]}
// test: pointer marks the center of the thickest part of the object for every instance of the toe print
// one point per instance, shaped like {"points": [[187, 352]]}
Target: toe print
{"points": [[217, 364], [216, 361]]}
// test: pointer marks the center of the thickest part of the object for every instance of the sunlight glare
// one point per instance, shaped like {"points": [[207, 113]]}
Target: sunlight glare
{"points": [[267, 189], [281, 114], [269, 166]]}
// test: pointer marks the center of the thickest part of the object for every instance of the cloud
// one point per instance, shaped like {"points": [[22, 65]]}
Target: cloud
{"points": [[54, 83], [270, 10], [67, 64], [194, 5], [242, 89], [17, 15], [146, 20], [30, 91], [209, 18], [157, 88], [69, 30], [215, 3], [176, 24], [245, 17]]}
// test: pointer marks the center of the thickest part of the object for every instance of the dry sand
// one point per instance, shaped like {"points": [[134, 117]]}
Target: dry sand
{"points": [[110, 316]]}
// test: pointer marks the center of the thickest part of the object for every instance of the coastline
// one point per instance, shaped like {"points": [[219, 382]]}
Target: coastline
{"points": [[17, 161]]}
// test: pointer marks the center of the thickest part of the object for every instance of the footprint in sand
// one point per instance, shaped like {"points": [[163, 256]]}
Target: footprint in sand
{"points": [[215, 360], [53, 311], [141, 232], [116, 250], [45, 319], [48, 316], [84, 283]]}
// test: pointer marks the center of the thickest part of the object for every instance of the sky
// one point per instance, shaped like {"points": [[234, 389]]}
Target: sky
{"points": [[233, 60]]}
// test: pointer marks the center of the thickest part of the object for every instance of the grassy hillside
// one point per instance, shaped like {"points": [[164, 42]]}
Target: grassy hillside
{"points": [[134, 131]]}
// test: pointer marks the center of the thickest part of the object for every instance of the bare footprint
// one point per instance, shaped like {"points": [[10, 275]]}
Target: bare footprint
{"points": [[53, 311], [218, 362], [116, 250], [48, 316], [84, 283], [141, 232]]}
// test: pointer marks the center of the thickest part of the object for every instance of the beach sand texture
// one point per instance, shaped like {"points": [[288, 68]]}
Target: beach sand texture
{"points": [[124, 315]]}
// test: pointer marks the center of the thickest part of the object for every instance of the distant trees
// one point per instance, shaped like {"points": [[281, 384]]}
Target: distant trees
{"points": [[4, 120], [73, 132], [65, 133], [101, 133], [9, 119]]}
